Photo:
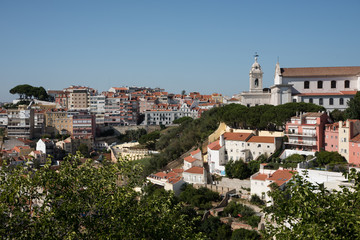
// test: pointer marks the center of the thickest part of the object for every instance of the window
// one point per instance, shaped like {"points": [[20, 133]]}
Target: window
{"points": [[333, 84], [320, 84], [331, 101], [347, 84], [294, 100], [306, 84], [310, 100], [341, 101], [321, 101]]}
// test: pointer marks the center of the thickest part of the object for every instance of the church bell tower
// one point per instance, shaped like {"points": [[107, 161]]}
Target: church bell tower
{"points": [[256, 76]]}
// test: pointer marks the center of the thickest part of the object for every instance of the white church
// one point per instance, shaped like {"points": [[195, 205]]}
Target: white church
{"points": [[330, 87]]}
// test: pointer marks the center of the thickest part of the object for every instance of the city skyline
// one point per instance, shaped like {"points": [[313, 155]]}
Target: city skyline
{"points": [[203, 46]]}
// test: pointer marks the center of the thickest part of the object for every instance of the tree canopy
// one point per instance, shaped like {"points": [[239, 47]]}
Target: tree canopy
{"points": [[27, 91], [310, 211], [88, 201]]}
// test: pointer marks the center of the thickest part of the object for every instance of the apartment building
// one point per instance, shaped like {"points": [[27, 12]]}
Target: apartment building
{"points": [[306, 131]]}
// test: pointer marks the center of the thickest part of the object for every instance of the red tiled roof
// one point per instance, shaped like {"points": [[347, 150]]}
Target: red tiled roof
{"points": [[178, 170], [356, 138], [341, 93], [160, 174], [281, 176], [171, 175], [262, 139], [195, 170], [190, 159], [215, 145], [320, 71], [236, 136], [174, 180], [195, 152], [19, 148], [261, 177]]}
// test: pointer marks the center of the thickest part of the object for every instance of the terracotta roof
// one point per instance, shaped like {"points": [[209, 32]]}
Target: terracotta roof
{"points": [[190, 159], [160, 174], [281, 176], [195, 170], [262, 139], [215, 145], [178, 170], [356, 138], [174, 180], [195, 152], [172, 175], [320, 71], [261, 177], [19, 148], [341, 93], [236, 136], [313, 114]]}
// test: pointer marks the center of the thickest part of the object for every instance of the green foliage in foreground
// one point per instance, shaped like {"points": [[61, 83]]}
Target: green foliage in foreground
{"points": [[313, 212], [86, 202], [244, 234]]}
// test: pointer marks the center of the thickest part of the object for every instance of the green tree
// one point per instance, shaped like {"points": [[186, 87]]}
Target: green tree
{"points": [[215, 229], [84, 150], [310, 211], [237, 169], [87, 202], [244, 234], [353, 110], [149, 140], [338, 115], [324, 158]]}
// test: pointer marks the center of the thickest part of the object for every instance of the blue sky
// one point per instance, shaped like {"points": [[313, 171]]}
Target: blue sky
{"points": [[192, 45]]}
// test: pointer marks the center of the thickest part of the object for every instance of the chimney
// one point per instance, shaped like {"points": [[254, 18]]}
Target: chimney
{"points": [[222, 142]]}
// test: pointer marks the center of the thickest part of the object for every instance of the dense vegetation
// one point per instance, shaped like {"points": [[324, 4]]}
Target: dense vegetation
{"points": [[87, 202], [200, 198], [243, 213], [27, 91], [313, 212], [190, 133], [240, 169]]}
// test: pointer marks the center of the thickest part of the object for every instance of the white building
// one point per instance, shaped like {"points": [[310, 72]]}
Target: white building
{"points": [[46, 146], [97, 107], [195, 175], [167, 116], [240, 145], [259, 145], [171, 181], [330, 87], [194, 160], [216, 158], [261, 181]]}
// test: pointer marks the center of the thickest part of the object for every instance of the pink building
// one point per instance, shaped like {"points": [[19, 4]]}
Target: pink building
{"points": [[84, 125], [341, 137], [354, 148], [332, 137], [306, 132]]}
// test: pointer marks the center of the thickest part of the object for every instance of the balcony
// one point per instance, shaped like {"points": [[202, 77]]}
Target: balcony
{"points": [[301, 143], [297, 134]]}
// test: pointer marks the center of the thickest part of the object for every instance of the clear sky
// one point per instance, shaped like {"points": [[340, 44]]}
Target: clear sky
{"points": [[192, 45]]}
